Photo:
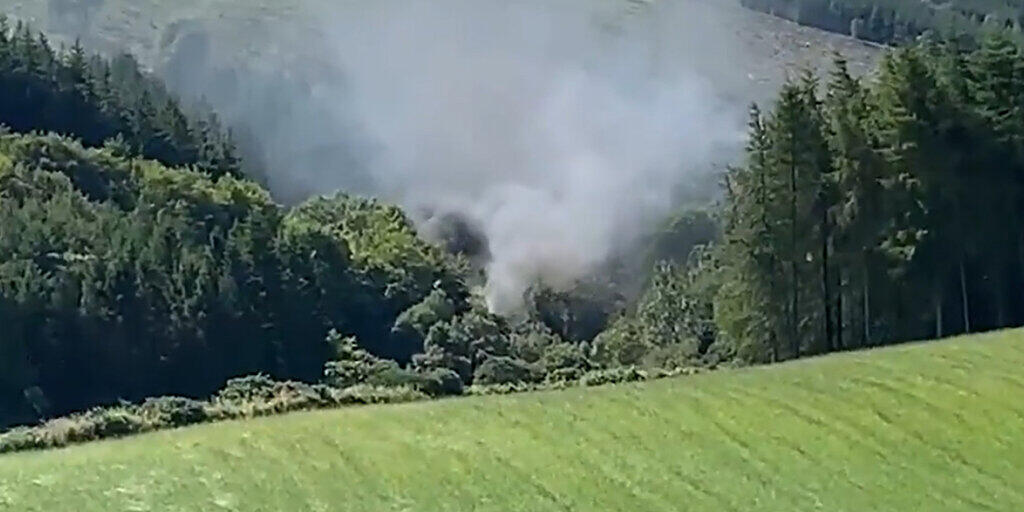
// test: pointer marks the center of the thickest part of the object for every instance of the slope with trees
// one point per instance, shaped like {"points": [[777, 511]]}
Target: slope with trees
{"points": [[879, 211], [95, 99], [894, 21]]}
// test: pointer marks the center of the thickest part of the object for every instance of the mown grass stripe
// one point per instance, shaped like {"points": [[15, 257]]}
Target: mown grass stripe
{"points": [[923, 427]]}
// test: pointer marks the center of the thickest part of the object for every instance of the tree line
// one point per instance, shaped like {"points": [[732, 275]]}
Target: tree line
{"points": [[121, 278], [898, 21], [95, 99], [879, 210]]}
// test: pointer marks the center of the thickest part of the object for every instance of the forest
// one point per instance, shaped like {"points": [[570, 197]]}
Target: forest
{"points": [[137, 260], [896, 21]]}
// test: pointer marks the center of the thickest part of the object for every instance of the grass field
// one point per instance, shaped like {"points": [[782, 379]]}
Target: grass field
{"points": [[928, 427]]}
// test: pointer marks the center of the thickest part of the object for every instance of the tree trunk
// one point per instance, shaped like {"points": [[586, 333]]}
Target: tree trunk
{"points": [[1020, 262], [839, 311], [963, 296], [866, 304], [997, 295], [773, 336], [937, 300], [865, 312], [826, 285], [794, 303]]}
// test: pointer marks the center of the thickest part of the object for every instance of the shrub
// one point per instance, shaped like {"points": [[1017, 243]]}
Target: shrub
{"points": [[247, 389], [506, 370], [564, 375], [18, 439], [612, 376], [259, 396], [173, 411], [441, 382], [108, 423], [365, 395]]}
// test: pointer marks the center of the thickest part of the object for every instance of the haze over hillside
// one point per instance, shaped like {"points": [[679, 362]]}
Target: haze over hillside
{"points": [[560, 131]]}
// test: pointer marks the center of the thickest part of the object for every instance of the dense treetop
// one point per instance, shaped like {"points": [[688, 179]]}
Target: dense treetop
{"points": [[95, 99]]}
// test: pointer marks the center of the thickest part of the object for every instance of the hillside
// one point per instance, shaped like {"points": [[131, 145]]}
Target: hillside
{"points": [[918, 427], [895, 21], [149, 28]]}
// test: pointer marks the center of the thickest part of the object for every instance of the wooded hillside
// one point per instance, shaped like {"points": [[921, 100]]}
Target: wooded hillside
{"points": [[894, 21]]}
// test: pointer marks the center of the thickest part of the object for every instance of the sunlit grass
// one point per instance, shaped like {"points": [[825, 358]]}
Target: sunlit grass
{"points": [[938, 426]]}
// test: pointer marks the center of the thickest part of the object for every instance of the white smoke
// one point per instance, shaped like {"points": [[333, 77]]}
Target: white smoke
{"points": [[564, 129]]}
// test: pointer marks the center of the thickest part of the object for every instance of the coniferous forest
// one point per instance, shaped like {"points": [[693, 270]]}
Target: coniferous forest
{"points": [[877, 211], [899, 21], [137, 260]]}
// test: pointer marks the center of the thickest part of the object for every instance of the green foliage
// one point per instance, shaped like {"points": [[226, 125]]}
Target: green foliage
{"points": [[97, 100], [675, 311], [506, 370], [613, 376], [681, 234], [244, 397], [464, 343], [351, 365], [881, 211], [173, 411], [124, 279]]}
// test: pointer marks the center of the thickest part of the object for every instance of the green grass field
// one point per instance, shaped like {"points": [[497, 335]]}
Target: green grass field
{"points": [[928, 427]]}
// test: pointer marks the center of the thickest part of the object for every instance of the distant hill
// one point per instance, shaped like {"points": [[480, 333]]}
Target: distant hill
{"points": [[253, 62], [923, 427], [149, 29], [892, 21]]}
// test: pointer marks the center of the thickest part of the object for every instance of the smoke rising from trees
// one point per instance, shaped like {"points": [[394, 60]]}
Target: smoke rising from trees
{"points": [[562, 130]]}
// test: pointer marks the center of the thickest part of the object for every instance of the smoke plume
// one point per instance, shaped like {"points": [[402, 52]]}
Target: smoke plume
{"points": [[561, 129]]}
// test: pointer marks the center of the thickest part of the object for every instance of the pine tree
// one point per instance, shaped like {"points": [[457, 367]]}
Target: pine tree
{"points": [[858, 211]]}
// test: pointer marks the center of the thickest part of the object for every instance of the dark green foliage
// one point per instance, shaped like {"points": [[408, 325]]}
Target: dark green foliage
{"points": [[612, 376], [464, 343], [506, 370], [245, 397], [174, 411], [352, 365], [439, 382], [879, 212], [95, 100], [123, 279], [683, 232], [674, 313]]}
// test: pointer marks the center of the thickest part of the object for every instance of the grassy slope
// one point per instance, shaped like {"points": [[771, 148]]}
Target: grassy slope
{"points": [[926, 427]]}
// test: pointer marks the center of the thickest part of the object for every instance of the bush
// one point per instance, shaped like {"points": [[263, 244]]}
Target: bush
{"points": [[506, 370], [509, 388], [19, 439], [108, 423], [173, 411], [258, 395], [441, 382], [564, 375], [612, 376], [366, 395], [255, 396], [247, 389]]}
